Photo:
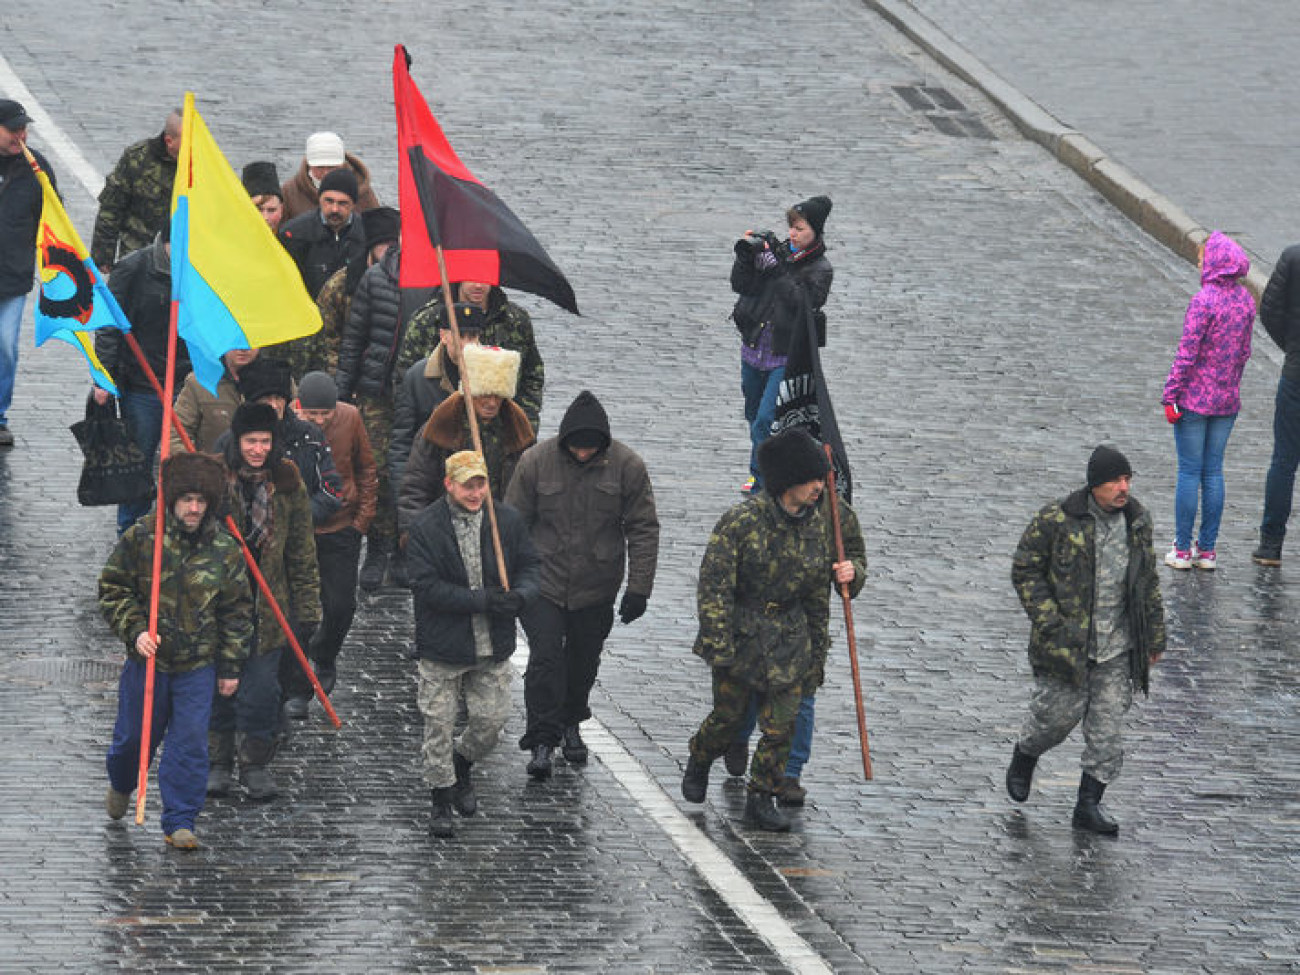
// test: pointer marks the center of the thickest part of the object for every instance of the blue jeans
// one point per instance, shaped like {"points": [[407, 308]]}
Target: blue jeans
{"points": [[800, 746], [1201, 441], [143, 414], [760, 388], [254, 710], [182, 704], [11, 320], [1280, 482]]}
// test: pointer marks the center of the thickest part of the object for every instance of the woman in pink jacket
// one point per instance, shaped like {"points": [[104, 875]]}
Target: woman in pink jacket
{"points": [[1203, 394]]}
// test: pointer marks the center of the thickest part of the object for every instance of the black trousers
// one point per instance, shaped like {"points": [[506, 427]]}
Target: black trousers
{"points": [[564, 648], [338, 554]]}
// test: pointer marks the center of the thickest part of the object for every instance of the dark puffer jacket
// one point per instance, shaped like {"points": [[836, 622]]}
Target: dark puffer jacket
{"points": [[20, 214], [777, 297], [142, 284], [368, 351], [1054, 572]]}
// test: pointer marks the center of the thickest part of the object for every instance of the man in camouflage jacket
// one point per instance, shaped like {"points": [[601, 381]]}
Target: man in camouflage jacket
{"points": [[1085, 572], [764, 608], [136, 200], [205, 625]]}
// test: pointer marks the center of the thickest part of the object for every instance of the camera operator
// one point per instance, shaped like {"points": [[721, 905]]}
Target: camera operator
{"points": [[777, 282]]}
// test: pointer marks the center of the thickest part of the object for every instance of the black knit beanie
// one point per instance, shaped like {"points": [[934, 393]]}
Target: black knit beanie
{"points": [[318, 391], [815, 211], [1107, 464], [789, 458], [342, 181]]}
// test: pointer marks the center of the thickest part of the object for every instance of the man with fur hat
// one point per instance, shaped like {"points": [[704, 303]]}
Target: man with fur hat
{"points": [[1085, 572], [764, 608], [267, 380], [205, 626], [779, 284], [327, 238], [588, 502], [323, 154], [263, 186], [465, 629], [427, 383], [273, 513], [503, 429], [505, 324], [338, 539]]}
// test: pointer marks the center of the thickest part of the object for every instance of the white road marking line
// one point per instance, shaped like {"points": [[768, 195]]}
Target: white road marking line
{"points": [[50, 136], [714, 866]]}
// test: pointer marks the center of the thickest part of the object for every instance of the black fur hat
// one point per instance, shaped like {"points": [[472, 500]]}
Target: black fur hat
{"points": [[265, 376], [253, 418], [199, 473], [789, 458], [260, 179], [381, 224]]}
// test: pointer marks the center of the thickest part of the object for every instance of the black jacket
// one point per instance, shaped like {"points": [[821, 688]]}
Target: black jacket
{"points": [[20, 215], [142, 284], [1279, 309], [444, 602], [318, 250], [373, 334], [777, 297], [418, 396]]}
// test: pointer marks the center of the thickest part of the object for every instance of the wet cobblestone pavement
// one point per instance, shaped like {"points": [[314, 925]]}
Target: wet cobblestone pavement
{"points": [[991, 320]]}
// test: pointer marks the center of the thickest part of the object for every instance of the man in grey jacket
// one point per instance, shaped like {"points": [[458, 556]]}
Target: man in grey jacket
{"points": [[588, 503]]}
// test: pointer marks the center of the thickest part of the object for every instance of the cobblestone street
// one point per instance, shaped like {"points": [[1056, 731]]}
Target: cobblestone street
{"points": [[992, 319]]}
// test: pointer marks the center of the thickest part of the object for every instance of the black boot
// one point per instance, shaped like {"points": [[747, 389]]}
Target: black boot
{"points": [[1088, 813], [295, 708], [539, 766], [574, 748], [254, 756], [372, 570], [1269, 551], [397, 574], [695, 780], [327, 674], [221, 762], [440, 822], [1020, 774], [736, 757], [762, 812], [462, 793]]}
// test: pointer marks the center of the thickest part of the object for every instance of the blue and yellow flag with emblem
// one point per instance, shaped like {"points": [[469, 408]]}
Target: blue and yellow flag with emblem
{"points": [[74, 301], [235, 285]]}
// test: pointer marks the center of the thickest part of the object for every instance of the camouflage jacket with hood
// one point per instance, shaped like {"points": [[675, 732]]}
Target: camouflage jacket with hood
{"points": [[1054, 572], [205, 609], [764, 591]]}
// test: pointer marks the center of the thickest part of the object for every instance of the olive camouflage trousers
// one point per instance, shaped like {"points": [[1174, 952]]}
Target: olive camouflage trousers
{"points": [[1056, 707], [777, 708], [486, 687]]}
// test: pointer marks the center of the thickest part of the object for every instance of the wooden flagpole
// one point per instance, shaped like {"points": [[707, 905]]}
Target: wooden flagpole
{"points": [[469, 411], [848, 618]]}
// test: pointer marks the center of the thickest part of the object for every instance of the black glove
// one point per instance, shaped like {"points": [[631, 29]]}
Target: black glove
{"points": [[502, 603], [632, 607]]}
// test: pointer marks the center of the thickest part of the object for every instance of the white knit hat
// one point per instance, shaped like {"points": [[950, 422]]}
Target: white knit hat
{"points": [[492, 371], [324, 149]]}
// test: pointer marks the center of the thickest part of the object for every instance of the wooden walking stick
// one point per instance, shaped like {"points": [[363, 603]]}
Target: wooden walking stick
{"points": [[848, 618], [233, 528], [469, 412]]}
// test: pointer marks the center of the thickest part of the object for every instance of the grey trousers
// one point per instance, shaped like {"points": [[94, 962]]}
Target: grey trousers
{"points": [[1055, 708], [486, 687]]}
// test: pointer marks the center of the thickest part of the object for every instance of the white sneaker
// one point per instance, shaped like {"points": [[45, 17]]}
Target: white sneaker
{"points": [[1178, 559]]}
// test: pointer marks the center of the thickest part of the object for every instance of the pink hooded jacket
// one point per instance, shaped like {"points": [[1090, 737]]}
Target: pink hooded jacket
{"points": [[1206, 375]]}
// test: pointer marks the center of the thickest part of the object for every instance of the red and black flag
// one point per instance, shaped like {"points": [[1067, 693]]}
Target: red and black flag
{"points": [[443, 204], [802, 400]]}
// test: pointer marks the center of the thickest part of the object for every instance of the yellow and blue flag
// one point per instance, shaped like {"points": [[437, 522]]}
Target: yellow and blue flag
{"points": [[235, 286], [74, 301]]}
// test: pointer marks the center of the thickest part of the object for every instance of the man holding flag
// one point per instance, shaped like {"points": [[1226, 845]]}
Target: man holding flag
{"points": [[20, 215]]}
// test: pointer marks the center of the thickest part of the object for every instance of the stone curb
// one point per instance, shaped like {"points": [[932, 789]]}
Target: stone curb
{"points": [[1155, 213]]}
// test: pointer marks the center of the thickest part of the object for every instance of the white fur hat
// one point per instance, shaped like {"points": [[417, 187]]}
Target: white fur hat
{"points": [[491, 371]]}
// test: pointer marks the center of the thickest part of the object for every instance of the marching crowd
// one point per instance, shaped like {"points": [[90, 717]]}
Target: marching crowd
{"points": [[411, 433]]}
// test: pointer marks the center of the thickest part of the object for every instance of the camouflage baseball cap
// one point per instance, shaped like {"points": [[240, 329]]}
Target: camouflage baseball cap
{"points": [[466, 464]]}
